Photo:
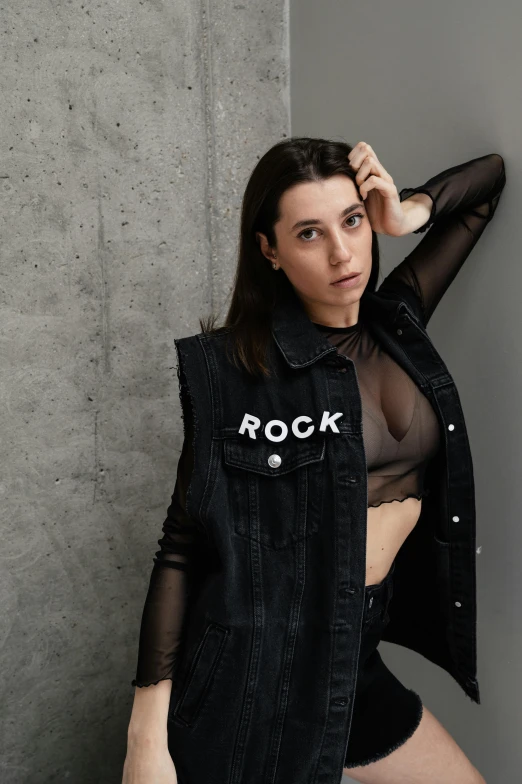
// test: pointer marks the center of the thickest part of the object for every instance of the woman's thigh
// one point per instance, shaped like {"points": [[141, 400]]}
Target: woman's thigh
{"points": [[429, 756]]}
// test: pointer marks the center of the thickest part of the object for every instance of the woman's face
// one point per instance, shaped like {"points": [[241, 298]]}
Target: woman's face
{"points": [[324, 234]]}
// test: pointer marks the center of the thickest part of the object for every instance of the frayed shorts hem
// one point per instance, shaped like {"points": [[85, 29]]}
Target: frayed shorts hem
{"points": [[385, 712], [397, 745]]}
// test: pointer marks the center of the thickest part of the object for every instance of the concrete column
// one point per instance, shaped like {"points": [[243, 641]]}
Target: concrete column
{"points": [[128, 133]]}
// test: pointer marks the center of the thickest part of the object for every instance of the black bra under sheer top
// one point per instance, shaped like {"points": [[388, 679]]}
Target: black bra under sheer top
{"points": [[400, 430]]}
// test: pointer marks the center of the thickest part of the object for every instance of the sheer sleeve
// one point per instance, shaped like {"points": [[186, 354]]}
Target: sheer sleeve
{"points": [[464, 200], [165, 603]]}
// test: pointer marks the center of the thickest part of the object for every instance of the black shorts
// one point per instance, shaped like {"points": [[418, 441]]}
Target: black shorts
{"points": [[385, 713]]}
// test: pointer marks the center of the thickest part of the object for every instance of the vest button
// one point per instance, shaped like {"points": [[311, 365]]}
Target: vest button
{"points": [[349, 590], [458, 604], [274, 461], [341, 701], [455, 519], [343, 370], [353, 478], [399, 332], [451, 427]]}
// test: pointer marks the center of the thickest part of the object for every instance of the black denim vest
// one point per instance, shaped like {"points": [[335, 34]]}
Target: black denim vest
{"points": [[264, 687]]}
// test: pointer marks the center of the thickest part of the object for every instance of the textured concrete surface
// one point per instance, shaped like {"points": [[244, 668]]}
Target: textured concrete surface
{"points": [[128, 133]]}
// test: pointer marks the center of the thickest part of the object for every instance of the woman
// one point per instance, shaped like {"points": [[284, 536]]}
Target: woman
{"points": [[311, 211]]}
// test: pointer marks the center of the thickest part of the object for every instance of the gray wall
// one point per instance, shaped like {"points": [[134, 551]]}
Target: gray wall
{"points": [[128, 133], [429, 86]]}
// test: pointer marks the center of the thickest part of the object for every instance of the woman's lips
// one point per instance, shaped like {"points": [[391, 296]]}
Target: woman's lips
{"points": [[347, 283]]}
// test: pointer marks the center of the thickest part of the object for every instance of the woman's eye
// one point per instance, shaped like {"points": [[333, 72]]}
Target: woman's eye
{"points": [[351, 217], [357, 215], [306, 232]]}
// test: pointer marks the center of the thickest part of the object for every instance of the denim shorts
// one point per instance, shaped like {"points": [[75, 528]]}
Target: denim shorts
{"points": [[385, 713]]}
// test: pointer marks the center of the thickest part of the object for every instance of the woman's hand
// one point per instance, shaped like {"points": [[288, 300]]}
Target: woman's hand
{"points": [[148, 763], [386, 213]]}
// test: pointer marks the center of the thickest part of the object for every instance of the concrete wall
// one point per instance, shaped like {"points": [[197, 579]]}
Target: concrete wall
{"points": [[430, 86], [128, 133]]}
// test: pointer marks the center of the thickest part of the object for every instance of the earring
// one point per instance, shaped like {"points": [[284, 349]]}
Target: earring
{"points": [[274, 266]]}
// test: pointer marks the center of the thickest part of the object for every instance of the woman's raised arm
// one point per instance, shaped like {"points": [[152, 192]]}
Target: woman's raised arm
{"points": [[464, 200]]}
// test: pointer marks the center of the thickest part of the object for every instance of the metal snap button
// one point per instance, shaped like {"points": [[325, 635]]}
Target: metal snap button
{"points": [[399, 332], [458, 604], [274, 461], [451, 427], [455, 519], [370, 602]]}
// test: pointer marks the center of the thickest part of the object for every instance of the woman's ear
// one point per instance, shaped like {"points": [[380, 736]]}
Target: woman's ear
{"points": [[264, 247]]}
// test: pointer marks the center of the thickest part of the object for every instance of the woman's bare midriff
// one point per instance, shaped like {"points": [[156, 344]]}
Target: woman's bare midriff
{"points": [[388, 526]]}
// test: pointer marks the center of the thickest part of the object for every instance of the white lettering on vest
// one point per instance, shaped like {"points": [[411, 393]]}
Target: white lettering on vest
{"points": [[252, 423], [278, 423], [306, 432], [329, 420]]}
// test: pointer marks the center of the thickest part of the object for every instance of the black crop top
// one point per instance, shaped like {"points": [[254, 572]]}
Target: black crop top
{"points": [[400, 428], [399, 439]]}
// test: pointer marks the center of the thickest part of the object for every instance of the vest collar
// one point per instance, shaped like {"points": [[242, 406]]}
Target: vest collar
{"points": [[302, 344]]}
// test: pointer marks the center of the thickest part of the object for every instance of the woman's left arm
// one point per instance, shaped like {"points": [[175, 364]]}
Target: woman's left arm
{"points": [[464, 199]]}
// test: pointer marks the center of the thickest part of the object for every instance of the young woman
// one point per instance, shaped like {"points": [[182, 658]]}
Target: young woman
{"points": [[311, 212]]}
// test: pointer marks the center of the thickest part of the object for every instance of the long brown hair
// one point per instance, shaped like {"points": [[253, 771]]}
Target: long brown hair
{"points": [[256, 287]]}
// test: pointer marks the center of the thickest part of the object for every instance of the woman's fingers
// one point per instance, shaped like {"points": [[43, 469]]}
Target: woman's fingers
{"points": [[378, 190], [374, 182], [364, 160], [360, 151]]}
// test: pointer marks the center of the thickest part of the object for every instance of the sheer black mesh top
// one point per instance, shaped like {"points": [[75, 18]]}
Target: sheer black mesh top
{"points": [[400, 429]]}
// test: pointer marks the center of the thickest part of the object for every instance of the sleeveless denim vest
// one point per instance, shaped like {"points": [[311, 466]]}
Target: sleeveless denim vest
{"points": [[265, 679]]}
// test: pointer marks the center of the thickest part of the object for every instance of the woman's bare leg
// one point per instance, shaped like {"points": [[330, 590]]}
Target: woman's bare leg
{"points": [[429, 756]]}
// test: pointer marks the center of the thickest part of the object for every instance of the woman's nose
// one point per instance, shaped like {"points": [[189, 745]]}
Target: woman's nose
{"points": [[340, 252]]}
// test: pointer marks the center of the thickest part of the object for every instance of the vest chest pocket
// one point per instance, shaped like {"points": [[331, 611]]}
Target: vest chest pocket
{"points": [[275, 490]]}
